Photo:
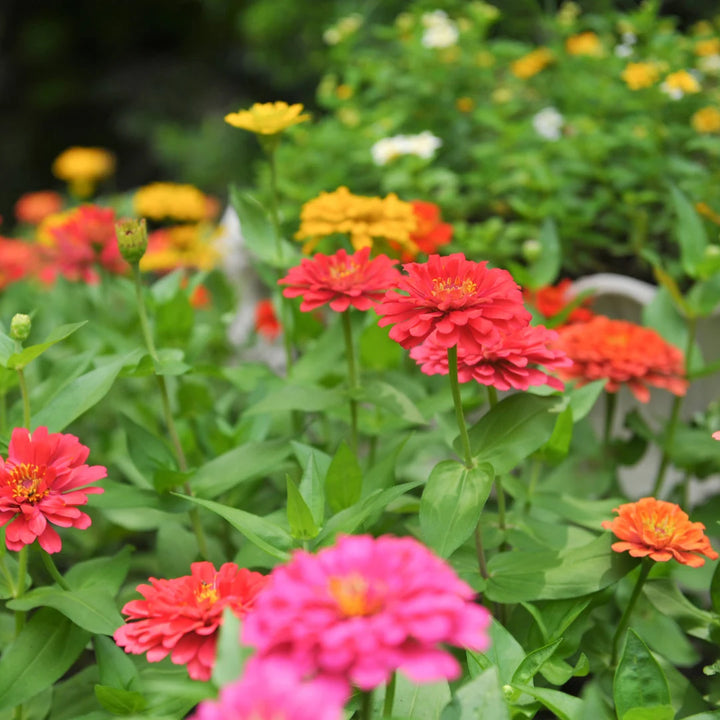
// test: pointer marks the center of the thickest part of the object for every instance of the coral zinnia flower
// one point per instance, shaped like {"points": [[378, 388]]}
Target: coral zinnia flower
{"points": [[266, 322], [181, 617], [33, 207], [660, 530], [464, 302], [364, 608], [267, 118], [18, 260], [44, 480], [551, 300], [622, 353], [274, 690], [340, 280], [510, 362]]}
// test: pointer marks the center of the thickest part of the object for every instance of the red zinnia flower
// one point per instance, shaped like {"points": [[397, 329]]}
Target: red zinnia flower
{"points": [[464, 302], [44, 480], [340, 280], [660, 530], [266, 322], [622, 352], [510, 362], [18, 260], [181, 617], [551, 300], [33, 207]]}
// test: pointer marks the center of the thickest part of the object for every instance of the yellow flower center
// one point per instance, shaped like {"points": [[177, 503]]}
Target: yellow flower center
{"points": [[343, 270], [207, 592], [453, 288], [26, 482], [662, 529], [354, 596]]}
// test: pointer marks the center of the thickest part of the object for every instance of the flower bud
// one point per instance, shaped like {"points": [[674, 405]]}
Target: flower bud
{"points": [[20, 327], [531, 250], [132, 239]]}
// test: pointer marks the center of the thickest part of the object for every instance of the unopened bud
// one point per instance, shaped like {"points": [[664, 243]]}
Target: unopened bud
{"points": [[132, 239], [20, 327], [531, 250]]}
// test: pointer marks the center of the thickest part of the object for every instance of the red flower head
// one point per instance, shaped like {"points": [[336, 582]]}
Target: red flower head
{"points": [[551, 300], [86, 239], [430, 232], [660, 530], [340, 280], [622, 352], [364, 608], [266, 322], [43, 481], [18, 260], [510, 362], [181, 617], [464, 302], [32, 208]]}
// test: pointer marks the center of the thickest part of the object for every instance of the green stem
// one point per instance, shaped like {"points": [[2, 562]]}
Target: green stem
{"points": [[532, 484], [6, 573], [52, 570], [389, 696], [482, 565], [352, 376], [457, 401], [493, 400], [366, 698], [645, 568], [274, 212], [610, 406], [25, 398], [20, 587]]}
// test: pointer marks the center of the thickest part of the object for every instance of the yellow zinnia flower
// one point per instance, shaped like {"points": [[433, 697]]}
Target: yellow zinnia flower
{"points": [[711, 46], [364, 219], [706, 120], [83, 168], [161, 200], [640, 75], [679, 83], [187, 246], [532, 63], [267, 118], [585, 43]]}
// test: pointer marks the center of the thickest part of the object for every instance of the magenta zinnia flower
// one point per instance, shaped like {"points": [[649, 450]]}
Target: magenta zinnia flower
{"points": [[464, 302], [181, 617], [43, 481], [510, 362], [340, 280], [273, 690], [364, 608]]}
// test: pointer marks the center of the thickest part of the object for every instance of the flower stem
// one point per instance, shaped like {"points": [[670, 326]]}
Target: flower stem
{"points": [[20, 587], [610, 406], [482, 565], [25, 398], [493, 400], [645, 568], [535, 468], [352, 376], [366, 698], [274, 213], [457, 401], [52, 569], [389, 696]]}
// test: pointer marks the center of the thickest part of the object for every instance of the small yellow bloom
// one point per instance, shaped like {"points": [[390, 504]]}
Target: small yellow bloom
{"points": [[710, 46], [465, 104], [161, 200], [267, 118], [638, 75], [585, 43], [706, 120], [532, 63], [83, 168], [681, 83]]}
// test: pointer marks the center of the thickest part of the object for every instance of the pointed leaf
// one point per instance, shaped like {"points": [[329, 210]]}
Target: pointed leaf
{"points": [[17, 361], [481, 698], [343, 483], [300, 518], [312, 487], [565, 707], [689, 231], [115, 667], [119, 701], [532, 663]]}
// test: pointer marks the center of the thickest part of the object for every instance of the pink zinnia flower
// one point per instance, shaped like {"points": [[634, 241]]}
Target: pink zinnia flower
{"points": [[464, 302], [364, 608], [274, 690], [44, 480], [340, 280], [510, 362], [181, 617]]}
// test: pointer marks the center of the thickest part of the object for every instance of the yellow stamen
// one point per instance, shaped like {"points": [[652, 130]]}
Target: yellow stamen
{"points": [[26, 482], [453, 286], [207, 592], [354, 595], [341, 271]]}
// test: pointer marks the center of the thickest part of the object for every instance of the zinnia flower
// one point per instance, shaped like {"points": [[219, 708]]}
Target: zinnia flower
{"points": [[430, 232], [680, 83], [364, 608], [43, 481], [706, 120], [638, 75], [162, 200], [181, 246], [660, 530], [422, 145], [585, 43], [532, 63], [266, 322], [32, 208], [18, 260], [181, 617], [709, 46], [267, 118], [340, 280], [464, 302], [551, 300], [510, 362], [622, 352], [274, 690], [83, 168]]}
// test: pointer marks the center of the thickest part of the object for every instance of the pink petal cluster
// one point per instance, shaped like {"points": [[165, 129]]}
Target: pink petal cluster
{"points": [[181, 617], [340, 280], [43, 481], [364, 608], [509, 362], [274, 690]]}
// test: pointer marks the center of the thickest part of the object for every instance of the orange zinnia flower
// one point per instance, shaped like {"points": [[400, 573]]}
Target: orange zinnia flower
{"points": [[660, 530], [622, 352], [33, 207]]}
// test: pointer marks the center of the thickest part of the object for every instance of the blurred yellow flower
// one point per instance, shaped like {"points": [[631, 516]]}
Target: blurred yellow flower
{"points": [[710, 46], [585, 43], [465, 104], [187, 246], [161, 200], [364, 219], [83, 167], [532, 63], [706, 120], [267, 118], [680, 83], [638, 75]]}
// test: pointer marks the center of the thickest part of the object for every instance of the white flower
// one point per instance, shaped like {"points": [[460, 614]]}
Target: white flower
{"points": [[422, 145], [440, 31], [709, 64], [629, 38], [674, 93], [548, 123], [623, 50]]}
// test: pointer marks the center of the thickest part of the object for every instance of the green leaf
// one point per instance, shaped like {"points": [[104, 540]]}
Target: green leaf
{"points": [[107, 572], [715, 589], [512, 430], [41, 654], [689, 232], [343, 482], [268, 536], [583, 399], [312, 486], [170, 361], [119, 701], [505, 653], [308, 398], [300, 517], [546, 267], [17, 361], [231, 654], [115, 667], [419, 702], [558, 445], [451, 503], [654, 712], [147, 450], [565, 707], [388, 397], [639, 680], [480, 699], [532, 663], [704, 296]]}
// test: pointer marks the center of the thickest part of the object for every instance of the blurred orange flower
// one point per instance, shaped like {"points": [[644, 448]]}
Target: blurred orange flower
{"points": [[532, 63], [585, 43], [551, 300], [18, 260], [266, 322], [659, 530], [709, 46], [33, 207]]}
